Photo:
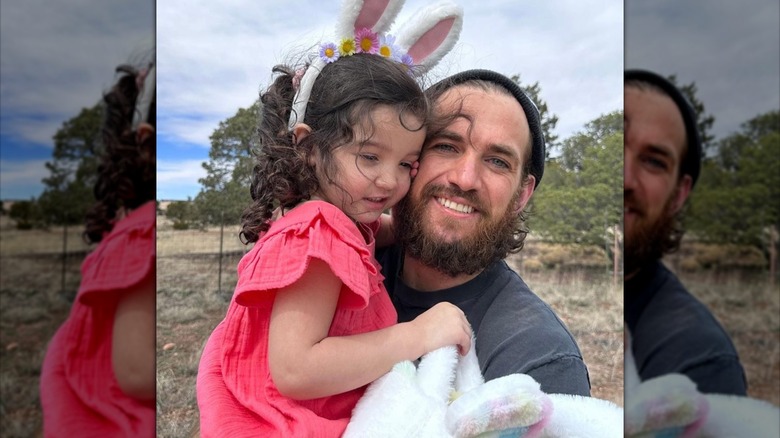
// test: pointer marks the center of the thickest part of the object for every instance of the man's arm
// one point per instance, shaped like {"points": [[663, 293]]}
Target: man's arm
{"points": [[723, 375], [558, 372], [519, 333], [567, 375]]}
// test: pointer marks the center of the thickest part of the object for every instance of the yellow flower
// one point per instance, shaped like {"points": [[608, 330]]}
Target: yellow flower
{"points": [[347, 47]]}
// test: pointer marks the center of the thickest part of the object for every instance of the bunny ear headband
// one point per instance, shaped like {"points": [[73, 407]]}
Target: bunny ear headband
{"points": [[361, 28], [143, 102], [141, 64]]}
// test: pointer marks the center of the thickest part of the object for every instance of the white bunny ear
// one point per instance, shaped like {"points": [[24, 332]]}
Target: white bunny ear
{"points": [[468, 375], [436, 373], [630, 372], [376, 15], [431, 34]]}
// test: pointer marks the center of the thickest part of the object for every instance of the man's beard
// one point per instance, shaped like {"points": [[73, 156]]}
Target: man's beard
{"points": [[651, 240], [491, 239]]}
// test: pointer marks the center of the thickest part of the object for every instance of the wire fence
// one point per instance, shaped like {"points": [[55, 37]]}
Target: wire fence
{"points": [[47, 260]]}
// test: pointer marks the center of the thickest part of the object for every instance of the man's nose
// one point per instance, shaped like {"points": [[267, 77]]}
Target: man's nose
{"points": [[465, 173]]}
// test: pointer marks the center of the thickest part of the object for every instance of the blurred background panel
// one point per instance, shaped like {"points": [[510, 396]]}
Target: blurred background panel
{"points": [[56, 62], [724, 57]]}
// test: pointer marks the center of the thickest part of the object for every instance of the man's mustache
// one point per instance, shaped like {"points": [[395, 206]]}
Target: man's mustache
{"points": [[630, 202]]}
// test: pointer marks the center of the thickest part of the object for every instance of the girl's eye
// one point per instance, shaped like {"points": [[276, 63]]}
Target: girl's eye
{"points": [[407, 165], [369, 157]]}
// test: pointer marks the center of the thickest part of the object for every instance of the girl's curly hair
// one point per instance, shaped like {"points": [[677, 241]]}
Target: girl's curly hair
{"points": [[126, 173], [342, 98]]}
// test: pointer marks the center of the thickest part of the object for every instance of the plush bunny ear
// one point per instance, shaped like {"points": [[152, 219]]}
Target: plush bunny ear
{"points": [[431, 34], [436, 373], [376, 15], [468, 375], [631, 374]]}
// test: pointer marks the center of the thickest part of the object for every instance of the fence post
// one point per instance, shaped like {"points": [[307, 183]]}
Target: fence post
{"points": [[773, 236], [221, 239], [64, 256]]}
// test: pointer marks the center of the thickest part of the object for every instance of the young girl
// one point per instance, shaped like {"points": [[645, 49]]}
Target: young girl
{"points": [[98, 376], [310, 323]]}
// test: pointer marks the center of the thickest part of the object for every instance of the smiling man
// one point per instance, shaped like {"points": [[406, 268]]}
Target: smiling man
{"points": [[672, 332], [464, 214]]}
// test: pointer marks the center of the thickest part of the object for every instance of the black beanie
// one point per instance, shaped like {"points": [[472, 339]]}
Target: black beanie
{"points": [[691, 163], [529, 108]]}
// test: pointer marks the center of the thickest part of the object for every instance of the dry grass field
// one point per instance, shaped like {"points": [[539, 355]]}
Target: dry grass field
{"points": [[33, 304], [190, 304]]}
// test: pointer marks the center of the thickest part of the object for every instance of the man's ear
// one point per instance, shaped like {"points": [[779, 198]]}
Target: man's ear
{"points": [[525, 193], [682, 192], [300, 131]]}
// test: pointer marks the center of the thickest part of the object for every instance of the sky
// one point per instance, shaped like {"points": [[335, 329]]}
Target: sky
{"points": [[55, 59], [215, 57], [729, 49]]}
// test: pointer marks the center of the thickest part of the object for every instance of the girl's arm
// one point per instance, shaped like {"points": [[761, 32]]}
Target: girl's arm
{"points": [[133, 341], [305, 363]]}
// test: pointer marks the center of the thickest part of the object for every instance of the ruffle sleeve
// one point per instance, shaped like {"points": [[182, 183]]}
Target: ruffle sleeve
{"points": [[123, 258], [312, 230]]}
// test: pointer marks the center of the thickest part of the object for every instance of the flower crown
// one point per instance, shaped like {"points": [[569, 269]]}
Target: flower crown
{"points": [[366, 41], [422, 42]]}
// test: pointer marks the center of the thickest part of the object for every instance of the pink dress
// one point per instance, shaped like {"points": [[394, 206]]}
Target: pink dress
{"points": [[79, 392], [236, 395]]}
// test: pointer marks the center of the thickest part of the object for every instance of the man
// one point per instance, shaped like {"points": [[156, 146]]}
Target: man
{"points": [[464, 214], [672, 332]]}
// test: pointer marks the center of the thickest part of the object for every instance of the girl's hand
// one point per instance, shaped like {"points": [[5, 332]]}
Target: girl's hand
{"points": [[415, 167], [441, 325]]}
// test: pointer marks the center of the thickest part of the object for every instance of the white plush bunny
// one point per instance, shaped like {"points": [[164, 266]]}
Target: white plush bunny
{"points": [[446, 396], [671, 406]]}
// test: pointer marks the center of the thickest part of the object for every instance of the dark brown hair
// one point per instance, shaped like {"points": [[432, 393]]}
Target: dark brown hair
{"points": [[343, 96], [126, 174]]}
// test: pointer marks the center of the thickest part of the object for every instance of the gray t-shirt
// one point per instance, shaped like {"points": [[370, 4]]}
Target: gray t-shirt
{"points": [[516, 332], [672, 332]]}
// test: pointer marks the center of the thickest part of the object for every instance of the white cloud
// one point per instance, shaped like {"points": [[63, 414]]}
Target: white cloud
{"points": [[16, 178], [178, 179], [37, 131], [189, 131]]}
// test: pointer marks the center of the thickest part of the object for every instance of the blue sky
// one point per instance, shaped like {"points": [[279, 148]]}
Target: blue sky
{"points": [[214, 57], [729, 48], [56, 59]]}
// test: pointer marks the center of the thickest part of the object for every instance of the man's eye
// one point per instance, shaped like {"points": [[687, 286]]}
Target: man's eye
{"points": [[656, 163], [406, 164], [498, 163], [442, 147]]}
